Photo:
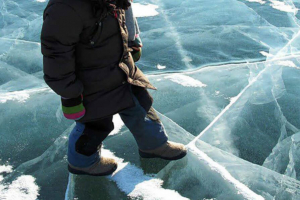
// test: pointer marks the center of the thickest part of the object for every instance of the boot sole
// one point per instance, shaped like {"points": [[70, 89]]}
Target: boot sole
{"points": [[78, 172], [150, 155]]}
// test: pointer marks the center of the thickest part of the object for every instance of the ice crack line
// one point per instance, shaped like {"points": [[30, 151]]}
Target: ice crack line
{"points": [[243, 91], [20, 40], [183, 53], [241, 188]]}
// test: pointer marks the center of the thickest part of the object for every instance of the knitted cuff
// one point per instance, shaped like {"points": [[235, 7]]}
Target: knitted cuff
{"points": [[73, 108]]}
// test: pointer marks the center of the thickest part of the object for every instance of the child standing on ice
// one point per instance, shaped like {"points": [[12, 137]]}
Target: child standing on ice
{"points": [[87, 61]]}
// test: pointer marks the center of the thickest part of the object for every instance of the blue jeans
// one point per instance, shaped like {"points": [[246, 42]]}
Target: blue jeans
{"points": [[85, 139]]}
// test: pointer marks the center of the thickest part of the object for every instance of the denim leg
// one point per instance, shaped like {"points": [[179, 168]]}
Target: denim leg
{"points": [[148, 134], [74, 158]]}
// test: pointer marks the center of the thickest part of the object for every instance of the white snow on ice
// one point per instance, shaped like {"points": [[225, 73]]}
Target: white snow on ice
{"points": [[147, 10], [185, 80], [20, 96], [132, 180], [23, 188], [257, 1], [160, 67], [288, 63], [5, 169], [278, 5], [282, 6], [265, 53]]}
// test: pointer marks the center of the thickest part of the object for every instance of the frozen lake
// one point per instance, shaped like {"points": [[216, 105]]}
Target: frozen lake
{"points": [[228, 76]]}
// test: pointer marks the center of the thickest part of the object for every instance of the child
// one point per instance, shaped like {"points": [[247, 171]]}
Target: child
{"points": [[88, 63]]}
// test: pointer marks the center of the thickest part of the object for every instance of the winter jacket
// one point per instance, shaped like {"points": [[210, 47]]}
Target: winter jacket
{"points": [[86, 56]]}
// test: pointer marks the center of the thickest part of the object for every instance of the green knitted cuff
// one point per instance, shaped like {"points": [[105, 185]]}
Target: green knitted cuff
{"points": [[73, 108]]}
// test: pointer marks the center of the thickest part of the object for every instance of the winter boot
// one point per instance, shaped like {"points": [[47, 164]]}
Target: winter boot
{"points": [[168, 151], [104, 167]]}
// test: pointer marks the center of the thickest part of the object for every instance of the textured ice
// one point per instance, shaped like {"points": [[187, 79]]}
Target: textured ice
{"points": [[227, 75]]}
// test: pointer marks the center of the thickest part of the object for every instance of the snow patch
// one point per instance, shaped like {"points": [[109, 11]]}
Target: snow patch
{"points": [[23, 188], [278, 5], [265, 54], [132, 180], [147, 10], [14, 96], [5, 169], [257, 1], [282, 6], [288, 63], [160, 67], [20, 96], [184, 80]]}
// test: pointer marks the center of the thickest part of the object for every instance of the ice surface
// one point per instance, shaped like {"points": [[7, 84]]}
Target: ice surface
{"points": [[191, 34], [213, 173], [227, 75]]}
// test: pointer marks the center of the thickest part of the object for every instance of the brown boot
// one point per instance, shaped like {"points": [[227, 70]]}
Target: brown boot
{"points": [[104, 167], [168, 151]]}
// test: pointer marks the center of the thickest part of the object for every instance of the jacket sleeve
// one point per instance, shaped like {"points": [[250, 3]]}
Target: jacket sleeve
{"points": [[137, 28], [60, 33], [130, 24]]}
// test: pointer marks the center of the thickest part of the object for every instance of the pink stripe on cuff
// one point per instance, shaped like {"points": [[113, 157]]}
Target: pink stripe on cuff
{"points": [[75, 115]]}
